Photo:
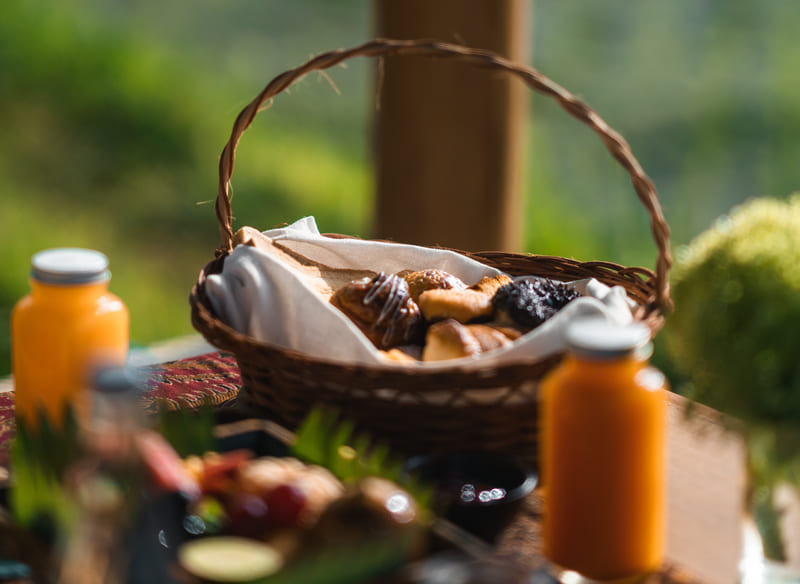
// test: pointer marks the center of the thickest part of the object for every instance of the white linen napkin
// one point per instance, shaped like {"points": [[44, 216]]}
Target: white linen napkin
{"points": [[260, 296]]}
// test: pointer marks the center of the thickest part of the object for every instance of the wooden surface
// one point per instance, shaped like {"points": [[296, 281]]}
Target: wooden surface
{"points": [[705, 466], [705, 485], [705, 494], [705, 490], [448, 152]]}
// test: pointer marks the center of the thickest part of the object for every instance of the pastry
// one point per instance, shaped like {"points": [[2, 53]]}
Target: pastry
{"points": [[422, 280], [488, 337], [449, 339], [404, 353], [462, 305], [509, 330], [529, 303], [382, 309], [491, 284]]}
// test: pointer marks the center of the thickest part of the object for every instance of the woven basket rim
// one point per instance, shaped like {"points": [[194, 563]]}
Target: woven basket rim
{"points": [[227, 338], [653, 284]]}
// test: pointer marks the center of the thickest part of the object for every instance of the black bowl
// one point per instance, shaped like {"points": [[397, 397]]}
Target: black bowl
{"points": [[480, 492]]}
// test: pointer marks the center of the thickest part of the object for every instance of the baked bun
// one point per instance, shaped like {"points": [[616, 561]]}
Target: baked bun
{"points": [[404, 353], [382, 309], [491, 284], [489, 338], [509, 330], [461, 305], [529, 303], [449, 339], [422, 280]]}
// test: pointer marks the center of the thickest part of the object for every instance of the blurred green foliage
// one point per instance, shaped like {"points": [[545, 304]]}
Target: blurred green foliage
{"points": [[735, 335], [114, 114]]}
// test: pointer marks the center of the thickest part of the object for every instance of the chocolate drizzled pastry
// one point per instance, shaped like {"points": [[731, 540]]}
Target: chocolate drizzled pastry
{"points": [[382, 308], [531, 302]]}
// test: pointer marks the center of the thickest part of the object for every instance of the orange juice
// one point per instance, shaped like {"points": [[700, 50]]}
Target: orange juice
{"points": [[69, 325], [602, 455]]}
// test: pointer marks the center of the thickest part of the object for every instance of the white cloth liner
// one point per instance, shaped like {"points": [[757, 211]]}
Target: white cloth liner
{"points": [[265, 299]]}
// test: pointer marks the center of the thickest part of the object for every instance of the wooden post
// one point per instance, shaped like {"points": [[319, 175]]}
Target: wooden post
{"points": [[449, 136]]}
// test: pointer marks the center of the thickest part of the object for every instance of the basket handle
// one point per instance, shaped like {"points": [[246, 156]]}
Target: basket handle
{"points": [[615, 143]]}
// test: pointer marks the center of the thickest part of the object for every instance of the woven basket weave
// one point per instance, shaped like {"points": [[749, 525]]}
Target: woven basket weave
{"points": [[417, 410]]}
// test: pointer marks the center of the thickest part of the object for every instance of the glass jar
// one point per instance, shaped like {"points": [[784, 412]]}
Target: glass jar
{"points": [[602, 454], [67, 327]]}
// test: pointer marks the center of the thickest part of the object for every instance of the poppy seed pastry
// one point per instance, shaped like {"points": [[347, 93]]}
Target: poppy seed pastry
{"points": [[531, 302], [381, 307]]}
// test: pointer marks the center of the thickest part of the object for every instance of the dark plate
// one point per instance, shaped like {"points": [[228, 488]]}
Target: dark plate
{"points": [[480, 492]]}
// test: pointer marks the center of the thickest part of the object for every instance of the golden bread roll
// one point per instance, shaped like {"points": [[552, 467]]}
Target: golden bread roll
{"points": [[422, 280], [488, 337], [404, 354], [511, 331], [491, 284], [449, 339], [462, 305]]}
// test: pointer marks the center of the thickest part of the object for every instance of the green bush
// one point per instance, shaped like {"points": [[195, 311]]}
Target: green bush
{"points": [[734, 332]]}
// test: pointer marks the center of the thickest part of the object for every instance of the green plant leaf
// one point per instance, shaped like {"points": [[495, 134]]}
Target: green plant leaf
{"points": [[324, 438], [189, 431], [38, 459]]}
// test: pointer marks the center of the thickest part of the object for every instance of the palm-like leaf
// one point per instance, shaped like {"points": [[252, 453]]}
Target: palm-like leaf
{"points": [[324, 438]]}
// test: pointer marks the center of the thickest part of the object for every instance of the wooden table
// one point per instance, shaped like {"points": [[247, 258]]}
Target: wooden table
{"points": [[706, 467], [705, 470], [705, 490]]}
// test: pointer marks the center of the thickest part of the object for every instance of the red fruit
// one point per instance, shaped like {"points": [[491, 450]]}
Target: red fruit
{"points": [[248, 515], [219, 471], [286, 503]]}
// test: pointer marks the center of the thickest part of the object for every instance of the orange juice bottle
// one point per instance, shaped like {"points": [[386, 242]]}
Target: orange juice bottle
{"points": [[602, 454], [62, 331]]}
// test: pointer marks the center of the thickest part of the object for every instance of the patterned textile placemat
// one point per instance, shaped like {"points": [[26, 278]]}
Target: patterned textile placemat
{"points": [[8, 425], [212, 378]]}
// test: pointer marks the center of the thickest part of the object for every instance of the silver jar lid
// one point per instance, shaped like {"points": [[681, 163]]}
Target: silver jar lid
{"points": [[70, 265], [600, 339]]}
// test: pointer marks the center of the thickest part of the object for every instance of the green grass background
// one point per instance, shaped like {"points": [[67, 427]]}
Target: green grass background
{"points": [[113, 115]]}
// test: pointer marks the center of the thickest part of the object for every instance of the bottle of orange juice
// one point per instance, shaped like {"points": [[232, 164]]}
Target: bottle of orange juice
{"points": [[602, 454], [62, 331]]}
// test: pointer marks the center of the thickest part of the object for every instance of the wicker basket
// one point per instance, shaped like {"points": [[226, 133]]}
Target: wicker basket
{"points": [[418, 410]]}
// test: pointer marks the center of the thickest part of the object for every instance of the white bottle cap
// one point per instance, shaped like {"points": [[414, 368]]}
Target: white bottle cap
{"points": [[70, 265], [600, 339]]}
